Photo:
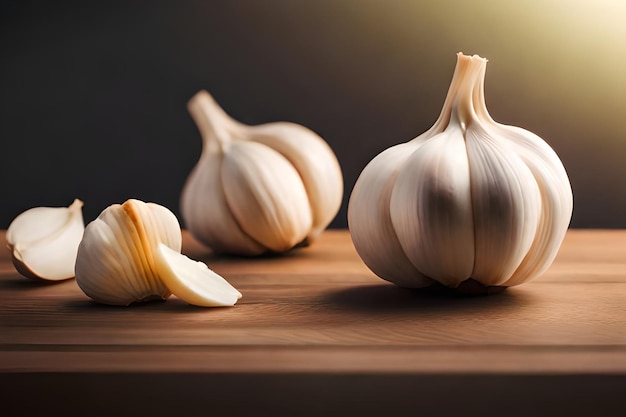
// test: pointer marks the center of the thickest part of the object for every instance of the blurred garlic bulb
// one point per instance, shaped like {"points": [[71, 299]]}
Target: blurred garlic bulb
{"points": [[44, 240], [470, 200], [256, 189], [131, 253]]}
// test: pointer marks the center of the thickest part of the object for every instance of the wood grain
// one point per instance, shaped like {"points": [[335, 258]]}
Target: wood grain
{"points": [[320, 311]]}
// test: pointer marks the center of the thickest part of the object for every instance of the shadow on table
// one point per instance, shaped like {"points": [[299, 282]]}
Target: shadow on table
{"points": [[14, 281], [389, 298], [168, 306]]}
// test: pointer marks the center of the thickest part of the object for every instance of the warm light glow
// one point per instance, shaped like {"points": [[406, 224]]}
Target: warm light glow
{"points": [[569, 54]]}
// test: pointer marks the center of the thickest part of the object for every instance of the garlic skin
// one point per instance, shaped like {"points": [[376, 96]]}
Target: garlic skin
{"points": [[258, 189], [44, 241], [115, 263], [469, 200]]}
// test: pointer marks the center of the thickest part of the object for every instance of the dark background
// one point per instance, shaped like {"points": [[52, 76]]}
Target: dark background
{"points": [[93, 94]]}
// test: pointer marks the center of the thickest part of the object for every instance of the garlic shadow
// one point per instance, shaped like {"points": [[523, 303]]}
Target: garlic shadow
{"points": [[18, 282], [391, 298], [88, 304], [152, 307]]}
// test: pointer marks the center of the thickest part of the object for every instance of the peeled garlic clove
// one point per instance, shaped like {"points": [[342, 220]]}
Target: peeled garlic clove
{"points": [[115, 263], [193, 281], [469, 200], [44, 241], [257, 189]]}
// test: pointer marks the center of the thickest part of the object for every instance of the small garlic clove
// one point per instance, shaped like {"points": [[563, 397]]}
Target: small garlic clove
{"points": [[115, 263], [208, 214], [44, 241], [131, 254], [266, 195], [315, 162], [193, 281], [106, 273]]}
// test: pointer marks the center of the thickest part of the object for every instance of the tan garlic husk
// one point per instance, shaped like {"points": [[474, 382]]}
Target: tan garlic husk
{"points": [[468, 201], [131, 253], [258, 189], [44, 241]]}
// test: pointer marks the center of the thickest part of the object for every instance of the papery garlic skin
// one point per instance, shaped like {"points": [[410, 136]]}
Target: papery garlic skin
{"points": [[257, 189], [44, 241], [115, 263], [469, 199]]}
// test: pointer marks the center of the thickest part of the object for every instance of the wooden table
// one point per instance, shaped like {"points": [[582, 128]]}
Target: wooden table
{"points": [[316, 333]]}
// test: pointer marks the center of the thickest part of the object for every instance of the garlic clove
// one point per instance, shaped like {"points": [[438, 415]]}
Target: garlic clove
{"points": [[506, 203], [432, 217], [556, 199], [115, 263], [193, 281], [208, 214], [266, 195], [370, 222], [315, 162], [131, 253], [44, 241], [106, 273]]}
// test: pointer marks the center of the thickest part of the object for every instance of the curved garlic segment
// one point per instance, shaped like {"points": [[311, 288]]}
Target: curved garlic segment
{"points": [[257, 189], [193, 281], [468, 199], [115, 263], [44, 241]]}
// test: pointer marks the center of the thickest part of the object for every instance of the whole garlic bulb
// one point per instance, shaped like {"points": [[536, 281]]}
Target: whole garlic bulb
{"points": [[44, 241], [470, 200], [131, 253], [257, 189]]}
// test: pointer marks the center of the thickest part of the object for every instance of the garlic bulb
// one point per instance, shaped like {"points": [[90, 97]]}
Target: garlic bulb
{"points": [[131, 253], [44, 240], [470, 200], [256, 189]]}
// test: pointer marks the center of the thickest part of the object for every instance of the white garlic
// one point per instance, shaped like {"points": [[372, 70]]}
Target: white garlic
{"points": [[256, 189], [470, 200], [44, 240], [121, 260], [193, 281]]}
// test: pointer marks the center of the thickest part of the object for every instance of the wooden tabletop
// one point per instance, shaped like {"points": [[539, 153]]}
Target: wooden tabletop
{"points": [[317, 332]]}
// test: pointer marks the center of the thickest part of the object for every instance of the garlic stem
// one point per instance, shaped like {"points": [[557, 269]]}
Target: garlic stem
{"points": [[215, 126], [446, 111], [463, 108], [480, 106]]}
